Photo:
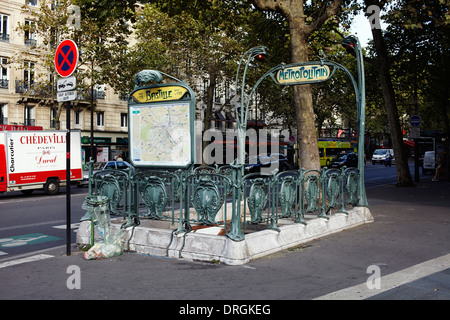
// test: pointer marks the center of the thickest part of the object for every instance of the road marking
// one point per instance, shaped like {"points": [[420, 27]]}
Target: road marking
{"points": [[35, 198], [26, 239], [30, 225], [391, 281], [25, 260], [2, 253], [63, 226]]}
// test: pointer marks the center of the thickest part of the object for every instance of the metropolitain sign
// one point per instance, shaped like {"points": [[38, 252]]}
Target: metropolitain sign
{"points": [[303, 74]]}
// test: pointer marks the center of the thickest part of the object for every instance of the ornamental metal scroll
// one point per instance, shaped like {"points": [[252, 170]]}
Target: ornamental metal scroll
{"points": [[311, 185], [207, 193], [112, 184], [257, 200], [332, 188], [154, 196], [351, 185], [287, 196], [156, 189]]}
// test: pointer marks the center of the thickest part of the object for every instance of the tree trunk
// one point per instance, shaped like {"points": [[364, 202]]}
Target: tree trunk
{"points": [[57, 118], [299, 33], [209, 107], [306, 128], [404, 178]]}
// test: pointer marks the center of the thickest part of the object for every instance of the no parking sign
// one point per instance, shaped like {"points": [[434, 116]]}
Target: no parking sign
{"points": [[66, 57]]}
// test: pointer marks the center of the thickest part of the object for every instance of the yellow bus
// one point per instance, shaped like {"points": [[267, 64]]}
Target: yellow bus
{"points": [[330, 147]]}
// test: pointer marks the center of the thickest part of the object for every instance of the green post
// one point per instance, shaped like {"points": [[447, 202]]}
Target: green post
{"points": [[352, 44]]}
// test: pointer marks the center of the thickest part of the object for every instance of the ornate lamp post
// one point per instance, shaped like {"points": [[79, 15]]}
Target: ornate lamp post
{"points": [[258, 53], [353, 46]]}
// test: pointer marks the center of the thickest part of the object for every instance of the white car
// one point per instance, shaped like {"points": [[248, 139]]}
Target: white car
{"points": [[429, 162], [380, 155]]}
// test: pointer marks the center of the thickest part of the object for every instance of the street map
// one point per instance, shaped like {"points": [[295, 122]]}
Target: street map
{"points": [[160, 135]]}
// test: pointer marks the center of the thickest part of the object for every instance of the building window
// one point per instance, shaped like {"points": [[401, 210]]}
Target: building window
{"points": [[32, 3], [100, 119], [78, 119], [3, 114], [28, 73], [4, 77], [30, 35], [4, 35], [124, 120], [29, 116]]}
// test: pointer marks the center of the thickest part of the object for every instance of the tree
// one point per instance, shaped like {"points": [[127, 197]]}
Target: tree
{"points": [[418, 37], [200, 41], [404, 56], [102, 35], [303, 20]]}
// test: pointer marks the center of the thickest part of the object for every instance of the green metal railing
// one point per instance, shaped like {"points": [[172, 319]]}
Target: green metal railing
{"points": [[213, 196]]}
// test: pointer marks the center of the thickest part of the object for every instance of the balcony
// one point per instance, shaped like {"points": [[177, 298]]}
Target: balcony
{"points": [[34, 88], [32, 43], [4, 37]]}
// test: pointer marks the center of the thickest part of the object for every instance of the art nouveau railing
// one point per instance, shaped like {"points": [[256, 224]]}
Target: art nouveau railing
{"points": [[209, 196]]}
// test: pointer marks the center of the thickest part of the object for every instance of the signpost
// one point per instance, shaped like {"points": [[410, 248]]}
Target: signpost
{"points": [[415, 121], [66, 59]]}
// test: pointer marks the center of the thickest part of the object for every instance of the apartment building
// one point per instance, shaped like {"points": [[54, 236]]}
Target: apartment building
{"points": [[25, 100]]}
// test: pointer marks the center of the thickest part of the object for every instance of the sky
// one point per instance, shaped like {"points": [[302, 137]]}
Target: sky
{"points": [[361, 28]]}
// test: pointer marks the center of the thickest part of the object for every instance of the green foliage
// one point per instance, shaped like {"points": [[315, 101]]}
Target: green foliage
{"points": [[418, 41]]}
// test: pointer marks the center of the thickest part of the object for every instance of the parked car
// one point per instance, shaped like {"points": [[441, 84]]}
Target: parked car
{"points": [[429, 162], [266, 161], [379, 156], [99, 166], [346, 159]]}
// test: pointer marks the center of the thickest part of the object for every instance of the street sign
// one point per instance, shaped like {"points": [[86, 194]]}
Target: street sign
{"points": [[66, 58], [66, 84], [415, 121], [303, 74], [66, 96]]}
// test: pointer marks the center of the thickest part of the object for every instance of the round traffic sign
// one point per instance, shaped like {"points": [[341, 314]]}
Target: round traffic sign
{"points": [[415, 121], [66, 58]]}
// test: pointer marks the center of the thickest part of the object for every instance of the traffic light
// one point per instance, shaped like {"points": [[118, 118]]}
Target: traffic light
{"points": [[261, 57], [350, 44]]}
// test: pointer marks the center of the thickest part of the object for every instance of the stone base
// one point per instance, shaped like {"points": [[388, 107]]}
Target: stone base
{"points": [[156, 238]]}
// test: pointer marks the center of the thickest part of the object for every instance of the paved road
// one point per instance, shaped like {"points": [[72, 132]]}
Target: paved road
{"points": [[404, 254], [37, 221]]}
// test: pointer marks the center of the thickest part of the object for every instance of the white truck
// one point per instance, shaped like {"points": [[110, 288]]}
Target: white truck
{"points": [[31, 160]]}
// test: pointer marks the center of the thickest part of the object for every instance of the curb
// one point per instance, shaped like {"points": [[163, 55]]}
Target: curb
{"points": [[210, 247]]}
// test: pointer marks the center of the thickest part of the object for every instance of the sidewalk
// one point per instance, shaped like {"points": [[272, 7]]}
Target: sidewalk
{"points": [[411, 226]]}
